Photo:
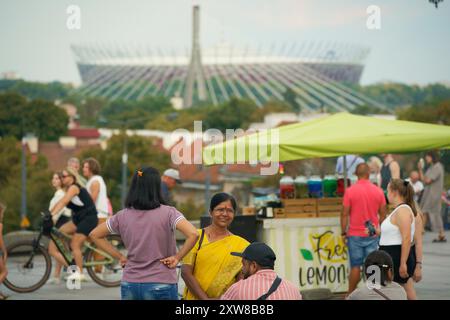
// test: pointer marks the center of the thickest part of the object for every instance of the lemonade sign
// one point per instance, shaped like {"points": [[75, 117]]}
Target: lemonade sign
{"points": [[324, 260]]}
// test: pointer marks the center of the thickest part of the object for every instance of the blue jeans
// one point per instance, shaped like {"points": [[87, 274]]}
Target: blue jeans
{"points": [[359, 248], [148, 291]]}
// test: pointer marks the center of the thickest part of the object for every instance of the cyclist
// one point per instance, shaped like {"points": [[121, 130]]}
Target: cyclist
{"points": [[84, 218], [59, 219]]}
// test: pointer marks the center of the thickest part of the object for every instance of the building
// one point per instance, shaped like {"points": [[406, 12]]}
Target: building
{"points": [[311, 73]]}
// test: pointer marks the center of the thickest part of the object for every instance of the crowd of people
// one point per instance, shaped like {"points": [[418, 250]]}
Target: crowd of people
{"points": [[399, 235], [215, 263]]}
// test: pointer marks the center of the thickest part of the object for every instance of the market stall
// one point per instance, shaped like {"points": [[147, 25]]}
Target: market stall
{"points": [[304, 230]]}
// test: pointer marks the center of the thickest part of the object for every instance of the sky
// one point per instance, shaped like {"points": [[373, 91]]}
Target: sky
{"points": [[412, 46]]}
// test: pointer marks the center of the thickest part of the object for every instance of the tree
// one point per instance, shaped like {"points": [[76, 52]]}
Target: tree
{"points": [[233, 114], [19, 116], [88, 109], [12, 108], [39, 189], [45, 120], [143, 110], [365, 109], [434, 112], [290, 97], [35, 90]]}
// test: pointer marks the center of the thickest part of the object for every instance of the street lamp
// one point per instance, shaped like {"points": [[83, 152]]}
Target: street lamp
{"points": [[124, 165]]}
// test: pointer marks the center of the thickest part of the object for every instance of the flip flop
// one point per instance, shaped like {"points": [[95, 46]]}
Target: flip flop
{"points": [[440, 240]]}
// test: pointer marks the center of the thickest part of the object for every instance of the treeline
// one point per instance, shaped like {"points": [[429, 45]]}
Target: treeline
{"points": [[397, 95], [36, 90], [20, 116]]}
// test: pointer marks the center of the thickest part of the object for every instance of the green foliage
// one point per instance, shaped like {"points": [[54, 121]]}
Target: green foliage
{"points": [[231, 115], [138, 113], [43, 118], [365, 110], [141, 152], [88, 109], [39, 189], [191, 210], [290, 97], [433, 112], [398, 95], [36, 90]]}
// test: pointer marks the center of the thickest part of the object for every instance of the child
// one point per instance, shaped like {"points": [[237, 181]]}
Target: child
{"points": [[3, 254]]}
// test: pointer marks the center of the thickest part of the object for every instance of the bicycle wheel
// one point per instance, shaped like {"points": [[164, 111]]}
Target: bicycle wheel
{"points": [[29, 267], [107, 275]]}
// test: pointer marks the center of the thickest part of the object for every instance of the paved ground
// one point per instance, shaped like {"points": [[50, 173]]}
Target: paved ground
{"points": [[435, 283]]}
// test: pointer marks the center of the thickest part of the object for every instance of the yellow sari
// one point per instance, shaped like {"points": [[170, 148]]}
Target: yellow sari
{"points": [[215, 268]]}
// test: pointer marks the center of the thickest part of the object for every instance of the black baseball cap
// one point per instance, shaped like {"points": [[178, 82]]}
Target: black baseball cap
{"points": [[258, 252]]}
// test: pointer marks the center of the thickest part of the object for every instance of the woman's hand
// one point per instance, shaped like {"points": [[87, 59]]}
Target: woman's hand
{"points": [[123, 261], [403, 271], [170, 262], [417, 274]]}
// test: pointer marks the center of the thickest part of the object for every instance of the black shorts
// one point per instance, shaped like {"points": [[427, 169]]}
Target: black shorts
{"points": [[396, 252], [62, 220], [86, 224]]}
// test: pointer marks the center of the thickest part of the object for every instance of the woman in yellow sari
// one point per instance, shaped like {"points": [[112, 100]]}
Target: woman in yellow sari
{"points": [[209, 269]]}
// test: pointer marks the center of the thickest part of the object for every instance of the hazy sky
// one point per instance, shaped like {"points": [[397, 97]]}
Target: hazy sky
{"points": [[413, 45]]}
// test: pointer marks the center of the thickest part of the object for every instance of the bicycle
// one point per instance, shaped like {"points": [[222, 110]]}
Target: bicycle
{"points": [[29, 263]]}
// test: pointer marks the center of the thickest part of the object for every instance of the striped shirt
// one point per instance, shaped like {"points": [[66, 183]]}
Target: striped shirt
{"points": [[258, 284]]}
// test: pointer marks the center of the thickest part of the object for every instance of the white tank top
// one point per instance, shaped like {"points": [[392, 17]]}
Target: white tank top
{"points": [[102, 199], [390, 233]]}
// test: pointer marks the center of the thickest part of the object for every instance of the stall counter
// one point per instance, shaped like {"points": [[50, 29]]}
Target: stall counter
{"points": [[310, 251]]}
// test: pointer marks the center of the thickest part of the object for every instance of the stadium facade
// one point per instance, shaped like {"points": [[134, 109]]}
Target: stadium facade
{"points": [[316, 73]]}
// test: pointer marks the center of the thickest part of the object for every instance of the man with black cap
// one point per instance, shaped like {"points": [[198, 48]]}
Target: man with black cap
{"points": [[260, 280]]}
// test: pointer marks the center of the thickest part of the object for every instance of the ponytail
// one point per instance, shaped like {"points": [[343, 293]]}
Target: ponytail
{"points": [[406, 191]]}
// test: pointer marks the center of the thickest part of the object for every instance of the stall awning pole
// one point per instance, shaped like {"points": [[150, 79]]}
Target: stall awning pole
{"points": [[345, 173]]}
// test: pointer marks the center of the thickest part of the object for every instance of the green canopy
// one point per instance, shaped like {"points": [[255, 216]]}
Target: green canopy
{"points": [[331, 136]]}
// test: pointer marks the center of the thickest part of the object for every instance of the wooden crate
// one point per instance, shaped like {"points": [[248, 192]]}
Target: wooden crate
{"points": [[301, 215], [329, 207], [300, 208], [248, 211], [279, 213]]}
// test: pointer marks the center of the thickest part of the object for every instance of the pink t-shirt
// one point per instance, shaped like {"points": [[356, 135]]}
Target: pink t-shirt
{"points": [[364, 199], [148, 236]]}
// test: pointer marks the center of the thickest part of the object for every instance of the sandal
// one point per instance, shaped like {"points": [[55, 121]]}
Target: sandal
{"points": [[444, 239]]}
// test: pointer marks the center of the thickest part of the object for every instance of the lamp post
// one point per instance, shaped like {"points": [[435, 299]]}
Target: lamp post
{"points": [[23, 208], [207, 189], [124, 165]]}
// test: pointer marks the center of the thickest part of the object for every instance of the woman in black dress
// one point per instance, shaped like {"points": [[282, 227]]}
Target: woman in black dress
{"points": [[84, 217]]}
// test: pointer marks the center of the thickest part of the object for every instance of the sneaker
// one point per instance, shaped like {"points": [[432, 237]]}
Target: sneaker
{"points": [[54, 280], [83, 278], [78, 276]]}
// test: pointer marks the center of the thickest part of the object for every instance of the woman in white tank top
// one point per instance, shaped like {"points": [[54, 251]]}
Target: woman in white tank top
{"points": [[397, 234]]}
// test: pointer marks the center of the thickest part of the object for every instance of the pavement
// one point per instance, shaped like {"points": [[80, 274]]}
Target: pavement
{"points": [[435, 284]]}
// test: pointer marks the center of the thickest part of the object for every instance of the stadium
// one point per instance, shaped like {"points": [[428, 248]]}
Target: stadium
{"points": [[316, 74]]}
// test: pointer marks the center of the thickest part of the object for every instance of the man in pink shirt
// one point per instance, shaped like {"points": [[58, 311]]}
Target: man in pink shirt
{"points": [[363, 202], [260, 280]]}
